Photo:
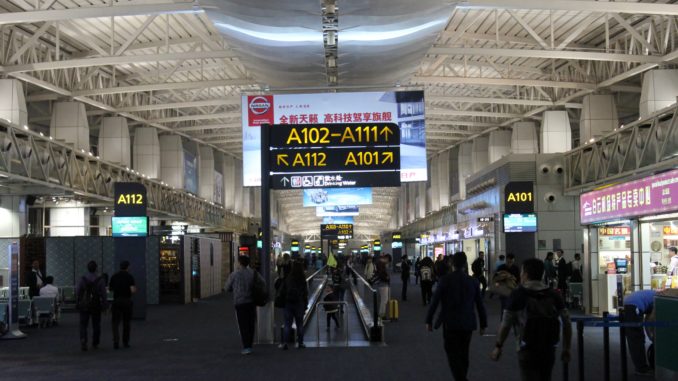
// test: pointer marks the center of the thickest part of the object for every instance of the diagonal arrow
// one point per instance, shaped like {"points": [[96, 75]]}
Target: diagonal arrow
{"points": [[385, 131], [282, 158], [388, 156]]}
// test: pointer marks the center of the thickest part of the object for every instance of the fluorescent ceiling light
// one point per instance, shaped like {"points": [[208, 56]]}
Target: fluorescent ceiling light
{"points": [[309, 36], [385, 35]]}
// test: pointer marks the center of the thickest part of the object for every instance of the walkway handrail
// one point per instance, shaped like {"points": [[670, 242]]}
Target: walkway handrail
{"points": [[310, 277], [375, 331], [313, 299]]}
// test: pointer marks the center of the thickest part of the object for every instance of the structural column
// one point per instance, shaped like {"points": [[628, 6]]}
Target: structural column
{"points": [[524, 138], [12, 102], [114, 142], [499, 145], [465, 167], [172, 161], [660, 89], [444, 178], [206, 173], [435, 184], [556, 134], [69, 124], [598, 117], [146, 152]]}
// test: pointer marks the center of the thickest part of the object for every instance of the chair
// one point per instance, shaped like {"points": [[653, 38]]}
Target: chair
{"points": [[45, 310], [25, 312], [68, 299]]}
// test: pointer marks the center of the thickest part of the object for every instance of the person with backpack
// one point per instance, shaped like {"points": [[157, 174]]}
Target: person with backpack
{"points": [[123, 286], [332, 307], [405, 266], [295, 290], [537, 311], [91, 301], [241, 283], [458, 294], [426, 273]]}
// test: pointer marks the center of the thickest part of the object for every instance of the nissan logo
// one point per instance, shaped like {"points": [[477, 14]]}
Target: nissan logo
{"points": [[259, 105]]}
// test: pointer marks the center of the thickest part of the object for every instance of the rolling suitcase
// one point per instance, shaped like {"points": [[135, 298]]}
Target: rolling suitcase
{"points": [[392, 312]]}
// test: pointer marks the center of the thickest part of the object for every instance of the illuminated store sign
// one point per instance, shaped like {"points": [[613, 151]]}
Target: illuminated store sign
{"points": [[649, 196]]}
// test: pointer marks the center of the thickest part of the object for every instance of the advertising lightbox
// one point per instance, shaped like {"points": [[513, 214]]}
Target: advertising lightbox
{"points": [[520, 223], [337, 210], [337, 196], [338, 220], [404, 108], [129, 226]]}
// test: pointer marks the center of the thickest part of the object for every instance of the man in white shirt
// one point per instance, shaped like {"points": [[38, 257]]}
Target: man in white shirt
{"points": [[673, 265], [49, 289]]}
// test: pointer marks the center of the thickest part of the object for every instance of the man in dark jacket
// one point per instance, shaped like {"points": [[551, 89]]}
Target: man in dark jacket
{"points": [[478, 269], [36, 279], [458, 293], [91, 294], [405, 266], [563, 272]]}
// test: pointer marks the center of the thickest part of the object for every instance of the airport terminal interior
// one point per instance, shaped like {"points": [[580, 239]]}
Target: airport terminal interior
{"points": [[185, 167]]}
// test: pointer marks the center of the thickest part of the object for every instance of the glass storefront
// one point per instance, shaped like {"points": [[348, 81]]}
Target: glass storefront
{"points": [[656, 239]]}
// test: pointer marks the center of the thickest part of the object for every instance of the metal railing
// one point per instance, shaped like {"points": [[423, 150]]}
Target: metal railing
{"points": [[362, 291], [345, 315], [315, 295], [30, 158], [648, 144]]}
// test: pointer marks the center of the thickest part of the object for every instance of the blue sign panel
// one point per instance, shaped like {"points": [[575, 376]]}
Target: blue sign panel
{"points": [[337, 196], [129, 226]]}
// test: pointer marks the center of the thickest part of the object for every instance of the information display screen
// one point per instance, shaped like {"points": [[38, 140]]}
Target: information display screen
{"points": [[621, 265], [520, 223], [129, 226], [338, 231]]}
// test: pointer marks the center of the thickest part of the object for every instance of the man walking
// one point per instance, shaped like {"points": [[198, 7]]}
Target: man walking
{"points": [[91, 300], [426, 273], [405, 275], [535, 309], [459, 294], [478, 269], [241, 282], [123, 286], [563, 272]]}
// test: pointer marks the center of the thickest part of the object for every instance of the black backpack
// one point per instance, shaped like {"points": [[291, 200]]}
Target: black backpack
{"points": [[542, 325], [89, 299]]}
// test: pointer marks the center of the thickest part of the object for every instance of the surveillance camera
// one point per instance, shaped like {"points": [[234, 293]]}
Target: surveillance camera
{"points": [[550, 197], [545, 169]]}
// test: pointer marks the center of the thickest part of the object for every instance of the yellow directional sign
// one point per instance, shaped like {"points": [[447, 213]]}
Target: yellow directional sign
{"points": [[282, 158]]}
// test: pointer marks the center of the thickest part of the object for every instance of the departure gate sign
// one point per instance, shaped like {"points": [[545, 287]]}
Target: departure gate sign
{"points": [[334, 155], [336, 231]]}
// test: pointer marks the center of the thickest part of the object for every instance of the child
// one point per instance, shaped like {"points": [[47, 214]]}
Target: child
{"points": [[331, 309]]}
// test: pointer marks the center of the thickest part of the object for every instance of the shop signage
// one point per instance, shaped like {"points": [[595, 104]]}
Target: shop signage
{"points": [[397, 236], [129, 199], [485, 219], [670, 230], [376, 245], [615, 230], [364, 154], [337, 231], [649, 196], [519, 197]]}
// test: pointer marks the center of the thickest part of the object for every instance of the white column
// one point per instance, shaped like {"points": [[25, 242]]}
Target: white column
{"points": [[411, 201], [465, 167], [499, 145], [421, 199], [598, 117], [229, 182], [524, 138], [246, 209], [13, 211], [172, 161], [206, 173], [146, 152], [660, 89], [444, 178], [239, 190], [402, 205], [435, 183], [114, 142], [556, 134], [218, 170], [12, 102], [69, 124], [479, 153]]}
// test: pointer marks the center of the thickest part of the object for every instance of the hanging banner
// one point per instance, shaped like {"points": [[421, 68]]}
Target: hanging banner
{"points": [[337, 196]]}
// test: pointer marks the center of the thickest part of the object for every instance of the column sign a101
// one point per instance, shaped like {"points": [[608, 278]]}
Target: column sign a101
{"points": [[129, 199], [519, 197]]}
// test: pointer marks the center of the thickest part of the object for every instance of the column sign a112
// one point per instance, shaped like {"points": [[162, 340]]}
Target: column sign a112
{"points": [[129, 199], [519, 197]]}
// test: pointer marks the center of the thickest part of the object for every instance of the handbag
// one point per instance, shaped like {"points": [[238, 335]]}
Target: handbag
{"points": [[259, 292]]}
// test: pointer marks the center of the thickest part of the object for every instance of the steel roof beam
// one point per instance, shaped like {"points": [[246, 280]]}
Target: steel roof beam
{"points": [[500, 82], [545, 54], [164, 86], [118, 60], [577, 6], [30, 17], [176, 105], [185, 118]]}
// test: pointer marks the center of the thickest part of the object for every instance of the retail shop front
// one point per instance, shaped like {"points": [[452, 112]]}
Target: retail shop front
{"points": [[629, 230]]}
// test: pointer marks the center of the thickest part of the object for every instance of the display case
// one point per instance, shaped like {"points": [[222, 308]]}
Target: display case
{"points": [[170, 274]]}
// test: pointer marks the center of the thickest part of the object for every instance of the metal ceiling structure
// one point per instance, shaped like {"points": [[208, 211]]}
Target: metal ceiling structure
{"points": [[181, 66]]}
